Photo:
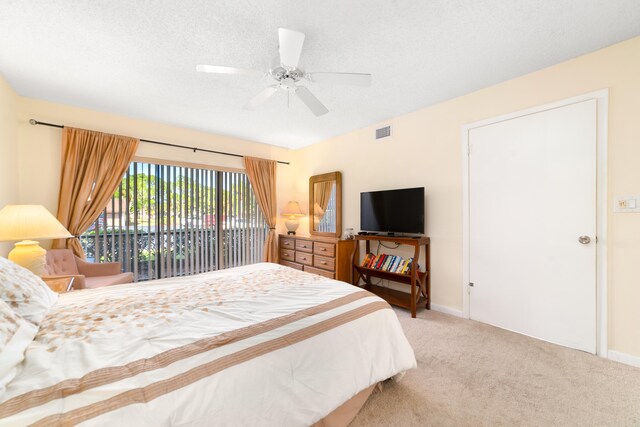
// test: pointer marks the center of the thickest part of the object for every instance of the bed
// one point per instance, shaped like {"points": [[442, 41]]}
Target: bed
{"points": [[260, 345]]}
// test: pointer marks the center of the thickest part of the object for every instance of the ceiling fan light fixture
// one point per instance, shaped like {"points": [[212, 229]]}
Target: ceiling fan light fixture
{"points": [[284, 74], [288, 84]]}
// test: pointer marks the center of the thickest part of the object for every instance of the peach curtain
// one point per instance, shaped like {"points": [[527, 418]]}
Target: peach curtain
{"points": [[93, 164], [262, 176], [323, 194]]}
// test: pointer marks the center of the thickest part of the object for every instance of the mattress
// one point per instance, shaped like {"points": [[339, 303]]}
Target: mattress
{"points": [[260, 345]]}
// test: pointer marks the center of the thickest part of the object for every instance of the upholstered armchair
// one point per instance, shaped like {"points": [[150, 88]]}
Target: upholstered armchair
{"points": [[63, 263]]}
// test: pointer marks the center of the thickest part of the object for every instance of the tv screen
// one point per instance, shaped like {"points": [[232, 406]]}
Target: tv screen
{"points": [[393, 211]]}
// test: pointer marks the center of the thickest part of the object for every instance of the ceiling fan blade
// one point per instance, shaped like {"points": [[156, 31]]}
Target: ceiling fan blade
{"points": [[261, 98], [275, 63], [219, 69], [290, 46], [352, 79], [311, 101]]}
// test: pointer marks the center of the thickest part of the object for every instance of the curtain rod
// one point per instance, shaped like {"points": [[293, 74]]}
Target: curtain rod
{"points": [[36, 122]]}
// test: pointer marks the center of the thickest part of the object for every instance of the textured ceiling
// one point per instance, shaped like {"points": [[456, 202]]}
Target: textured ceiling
{"points": [[138, 58]]}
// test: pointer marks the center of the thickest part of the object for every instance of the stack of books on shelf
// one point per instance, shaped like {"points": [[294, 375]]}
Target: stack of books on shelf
{"points": [[388, 263]]}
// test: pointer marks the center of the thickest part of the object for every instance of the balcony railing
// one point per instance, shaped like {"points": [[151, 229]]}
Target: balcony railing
{"points": [[182, 252], [168, 226]]}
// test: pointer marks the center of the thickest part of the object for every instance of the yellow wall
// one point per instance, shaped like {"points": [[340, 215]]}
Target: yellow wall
{"points": [[425, 150], [8, 151], [39, 154]]}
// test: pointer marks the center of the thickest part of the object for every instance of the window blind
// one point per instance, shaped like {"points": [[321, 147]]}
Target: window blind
{"points": [[166, 221]]}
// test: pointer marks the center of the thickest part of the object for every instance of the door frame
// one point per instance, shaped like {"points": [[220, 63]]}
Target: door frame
{"points": [[602, 102]]}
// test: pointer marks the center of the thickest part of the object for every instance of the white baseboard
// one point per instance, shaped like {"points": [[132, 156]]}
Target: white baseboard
{"points": [[625, 358], [447, 310]]}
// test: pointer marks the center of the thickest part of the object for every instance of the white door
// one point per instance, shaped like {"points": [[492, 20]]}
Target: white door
{"points": [[532, 208]]}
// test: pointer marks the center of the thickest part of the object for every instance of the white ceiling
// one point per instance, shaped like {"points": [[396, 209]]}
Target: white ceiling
{"points": [[138, 58]]}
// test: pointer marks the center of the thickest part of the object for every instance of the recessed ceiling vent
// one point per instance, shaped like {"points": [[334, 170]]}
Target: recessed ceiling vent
{"points": [[384, 132]]}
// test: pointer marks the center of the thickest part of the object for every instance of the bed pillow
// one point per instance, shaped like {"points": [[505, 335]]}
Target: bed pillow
{"points": [[25, 292], [15, 336]]}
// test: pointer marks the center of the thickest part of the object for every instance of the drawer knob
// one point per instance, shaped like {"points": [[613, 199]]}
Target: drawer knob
{"points": [[323, 262], [323, 249]]}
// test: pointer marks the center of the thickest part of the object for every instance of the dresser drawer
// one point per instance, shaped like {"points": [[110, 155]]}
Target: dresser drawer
{"points": [[324, 262], [287, 254], [304, 258], [319, 272], [304, 246], [291, 264], [327, 256], [324, 249], [287, 243]]}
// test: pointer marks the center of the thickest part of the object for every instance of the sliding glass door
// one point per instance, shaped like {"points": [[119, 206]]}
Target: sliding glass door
{"points": [[167, 220]]}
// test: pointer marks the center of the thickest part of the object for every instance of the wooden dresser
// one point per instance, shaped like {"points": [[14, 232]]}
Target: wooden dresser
{"points": [[326, 256]]}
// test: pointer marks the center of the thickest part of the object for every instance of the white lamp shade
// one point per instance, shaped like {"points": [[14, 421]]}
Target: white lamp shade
{"points": [[293, 210], [20, 222]]}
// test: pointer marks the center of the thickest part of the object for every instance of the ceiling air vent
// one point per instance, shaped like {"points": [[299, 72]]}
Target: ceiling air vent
{"points": [[383, 132]]}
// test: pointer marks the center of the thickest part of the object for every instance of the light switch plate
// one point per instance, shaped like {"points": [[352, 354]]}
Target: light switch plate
{"points": [[626, 204]]}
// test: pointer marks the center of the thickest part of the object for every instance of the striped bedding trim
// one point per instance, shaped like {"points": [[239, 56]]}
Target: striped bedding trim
{"points": [[160, 388], [112, 374]]}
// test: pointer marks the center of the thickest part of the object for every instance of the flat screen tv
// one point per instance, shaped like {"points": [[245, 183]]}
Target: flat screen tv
{"points": [[393, 211]]}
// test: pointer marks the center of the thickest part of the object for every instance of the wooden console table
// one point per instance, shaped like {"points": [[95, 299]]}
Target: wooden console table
{"points": [[419, 280]]}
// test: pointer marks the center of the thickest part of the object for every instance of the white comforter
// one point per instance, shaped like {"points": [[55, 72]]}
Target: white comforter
{"points": [[258, 345]]}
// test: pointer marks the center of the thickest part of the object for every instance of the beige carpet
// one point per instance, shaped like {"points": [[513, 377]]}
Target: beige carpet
{"points": [[472, 374]]}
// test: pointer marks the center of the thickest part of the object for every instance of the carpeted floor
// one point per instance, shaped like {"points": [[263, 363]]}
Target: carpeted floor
{"points": [[472, 374]]}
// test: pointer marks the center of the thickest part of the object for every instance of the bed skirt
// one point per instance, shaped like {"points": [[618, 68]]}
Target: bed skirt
{"points": [[345, 413]]}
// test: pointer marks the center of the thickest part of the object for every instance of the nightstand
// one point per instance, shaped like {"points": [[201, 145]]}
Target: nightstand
{"points": [[60, 284]]}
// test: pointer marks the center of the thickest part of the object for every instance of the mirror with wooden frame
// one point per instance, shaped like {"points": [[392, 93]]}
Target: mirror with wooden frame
{"points": [[325, 204]]}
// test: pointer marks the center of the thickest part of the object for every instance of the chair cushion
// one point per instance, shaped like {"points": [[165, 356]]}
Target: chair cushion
{"points": [[60, 261], [116, 279]]}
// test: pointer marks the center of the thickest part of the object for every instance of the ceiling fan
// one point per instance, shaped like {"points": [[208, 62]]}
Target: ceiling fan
{"points": [[285, 74]]}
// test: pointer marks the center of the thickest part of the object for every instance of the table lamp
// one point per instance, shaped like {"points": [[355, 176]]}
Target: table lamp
{"points": [[25, 222], [293, 211]]}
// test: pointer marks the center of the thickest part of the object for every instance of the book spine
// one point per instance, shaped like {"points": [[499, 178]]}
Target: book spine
{"points": [[394, 268], [383, 261], [372, 261], [367, 260], [387, 258], [393, 264], [407, 266], [399, 266]]}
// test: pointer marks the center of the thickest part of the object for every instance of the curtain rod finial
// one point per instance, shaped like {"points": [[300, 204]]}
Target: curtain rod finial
{"points": [[33, 122]]}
